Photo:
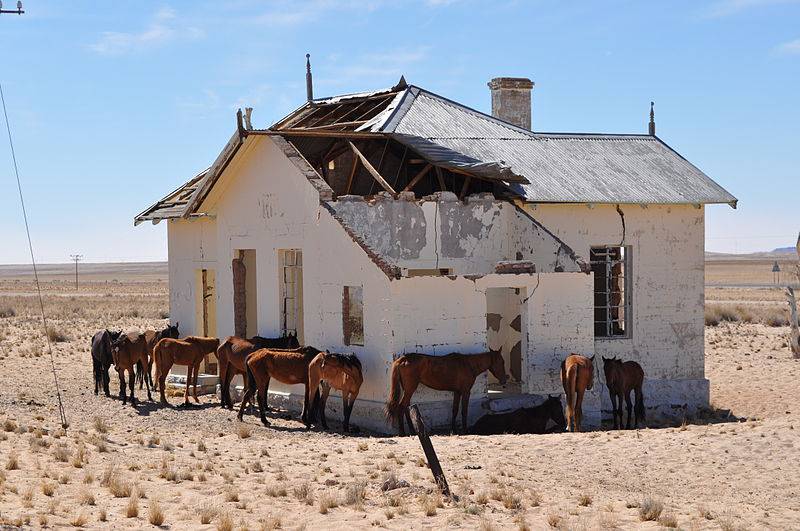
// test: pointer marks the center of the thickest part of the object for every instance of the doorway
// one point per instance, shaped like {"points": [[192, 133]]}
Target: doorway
{"points": [[504, 333], [206, 311], [290, 269], [245, 302]]}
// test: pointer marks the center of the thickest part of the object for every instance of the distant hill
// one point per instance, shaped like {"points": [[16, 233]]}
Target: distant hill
{"points": [[782, 250]]}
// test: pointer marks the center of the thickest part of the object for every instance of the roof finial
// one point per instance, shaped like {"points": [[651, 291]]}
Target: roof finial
{"points": [[652, 125], [309, 84]]}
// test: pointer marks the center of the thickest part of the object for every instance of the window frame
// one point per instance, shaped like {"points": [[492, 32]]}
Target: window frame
{"points": [[627, 303], [349, 338]]}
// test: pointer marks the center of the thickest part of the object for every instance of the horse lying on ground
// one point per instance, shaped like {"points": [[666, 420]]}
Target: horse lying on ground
{"points": [[454, 372], [286, 366], [547, 417], [152, 337], [621, 379], [340, 371], [189, 351], [130, 351], [102, 358], [232, 354], [577, 377]]}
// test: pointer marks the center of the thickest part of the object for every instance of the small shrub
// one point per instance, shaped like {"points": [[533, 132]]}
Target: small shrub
{"points": [[355, 493], [101, 425], [554, 520], [207, 514], [56, 336], [535, 499], [362, 447], [303, 493], [511, 502], [584, 500], [650, 509], [103, 515], [7, 311], [155, 515], [232, 495], [79, 457], [244, 431], [13, 461], [428, 504], [61, 453], [86, 497]]}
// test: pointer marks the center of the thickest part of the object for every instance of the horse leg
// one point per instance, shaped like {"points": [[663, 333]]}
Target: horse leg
{"points": [[106, 379], [456, 401], [97, 376], [578, 413], [194, 383], [348, 409], [122, 385], [464, 408], [149, 384], [629, 407], [262, 401], [132, 383], [613, 397], [405, 402], [323, 401], [161, 373], [248, 394], [188, 384]]}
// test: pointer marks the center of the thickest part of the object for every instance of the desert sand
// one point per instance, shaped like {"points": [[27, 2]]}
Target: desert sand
{"points": [[733, 467]]}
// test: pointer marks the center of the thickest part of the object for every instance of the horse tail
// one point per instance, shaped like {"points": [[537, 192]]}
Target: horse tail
{"points": [[392, 409], [640, 403], [251, 378], [139, 372], [572, 387]]}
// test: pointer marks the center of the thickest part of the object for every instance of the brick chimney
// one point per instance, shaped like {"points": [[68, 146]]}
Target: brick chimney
{"points": [[511, 100]]}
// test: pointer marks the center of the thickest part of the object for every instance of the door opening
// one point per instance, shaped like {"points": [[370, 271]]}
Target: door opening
{"points": [[245, 302], [206, 312], [504, 333], [290, 269]]}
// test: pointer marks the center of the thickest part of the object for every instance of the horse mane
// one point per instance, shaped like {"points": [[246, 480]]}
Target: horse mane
{"points": [[348, 360]]}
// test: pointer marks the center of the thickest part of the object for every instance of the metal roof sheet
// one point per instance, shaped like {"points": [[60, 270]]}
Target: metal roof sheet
{"points": [[560, 167], [173, 205]]}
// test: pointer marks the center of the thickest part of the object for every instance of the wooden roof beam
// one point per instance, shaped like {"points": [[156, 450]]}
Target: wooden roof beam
{"points": [[371, 169]]}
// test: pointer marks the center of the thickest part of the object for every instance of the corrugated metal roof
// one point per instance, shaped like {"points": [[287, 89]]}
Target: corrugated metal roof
{"points": [[584, 168]]}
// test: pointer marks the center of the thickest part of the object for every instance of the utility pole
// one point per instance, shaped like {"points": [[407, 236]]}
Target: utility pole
{"points": [[17, 11], [76, 258]]}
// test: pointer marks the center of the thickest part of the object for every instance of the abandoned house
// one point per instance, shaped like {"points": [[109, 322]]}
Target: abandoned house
{"points": [[400, 221]]}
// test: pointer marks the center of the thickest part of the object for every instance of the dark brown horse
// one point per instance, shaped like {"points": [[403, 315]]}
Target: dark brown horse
{"points": [[102, 358], [232, 355], [152, 337], [621, 379], [547, 417], [286, 366], [340, 371], [577, 377], [129, 351], [453, 372], [189, 351]]}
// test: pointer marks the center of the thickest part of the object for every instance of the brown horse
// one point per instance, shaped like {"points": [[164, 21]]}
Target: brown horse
{"points": [[453, 372], [340, 371], [547, 417], [621, 379], [152, 337], [129, 351], [232, 355], [577, 377], [287, 366], [189, 351]]}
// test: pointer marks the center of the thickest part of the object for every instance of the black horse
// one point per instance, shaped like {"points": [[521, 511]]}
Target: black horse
{"points": [[152, 337], [102, 358], [547, 417]]}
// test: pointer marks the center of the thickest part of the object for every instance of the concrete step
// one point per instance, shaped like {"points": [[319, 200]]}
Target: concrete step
{"points": [[206, 383]]}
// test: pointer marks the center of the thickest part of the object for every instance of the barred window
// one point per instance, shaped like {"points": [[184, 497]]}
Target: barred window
{"points": [[353, 315], [612, 305]]}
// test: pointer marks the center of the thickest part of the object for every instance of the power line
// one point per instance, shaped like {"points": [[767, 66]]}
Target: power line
{"points": [[76, 258], [33, 262]]}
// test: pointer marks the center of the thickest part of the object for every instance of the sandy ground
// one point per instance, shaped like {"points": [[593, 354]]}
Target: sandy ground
{"points": [[734, 468]]}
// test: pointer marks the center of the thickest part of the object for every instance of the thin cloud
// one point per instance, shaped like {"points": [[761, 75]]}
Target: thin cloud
{"points": [[163, 27], [291, 13], [724, 8], [386, 65], [790, 48]]}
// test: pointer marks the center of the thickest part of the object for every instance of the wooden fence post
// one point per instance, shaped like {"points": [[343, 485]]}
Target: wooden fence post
{"points": [[430, 453]]}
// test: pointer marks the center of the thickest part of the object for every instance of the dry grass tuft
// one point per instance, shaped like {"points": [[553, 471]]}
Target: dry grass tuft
{"points": [[13, 461], [48, 488], [79, 521], [715, 314], [355, 493], [207, 514], [650, 509], [585, 500], [224, 522], [232, 495], [244, 431], [554, 520], [132, 507], [270, 522], [668, 520], [155, 515], [303, 493], [326, 502], [56, 335], [85, 497], [101, 425]]}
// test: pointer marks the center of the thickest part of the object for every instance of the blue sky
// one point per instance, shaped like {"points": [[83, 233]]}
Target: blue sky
{"points": [[114, 104]]}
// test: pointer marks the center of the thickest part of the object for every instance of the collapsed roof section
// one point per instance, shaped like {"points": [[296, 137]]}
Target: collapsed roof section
{"points": [[407, 139]]}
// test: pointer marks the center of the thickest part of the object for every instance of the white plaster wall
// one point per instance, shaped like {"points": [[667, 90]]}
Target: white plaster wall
{"points": [[667, 272], [265, 203], [192, 245], [467, 238]]}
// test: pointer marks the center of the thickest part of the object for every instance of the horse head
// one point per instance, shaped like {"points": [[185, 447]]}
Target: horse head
{"points": [[291, 341], [498, 366], [591, 373], [610, 368], [171, 331]]}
